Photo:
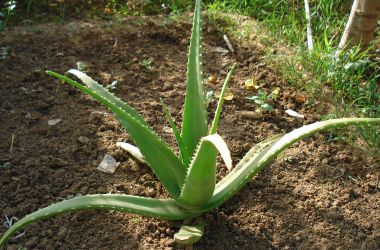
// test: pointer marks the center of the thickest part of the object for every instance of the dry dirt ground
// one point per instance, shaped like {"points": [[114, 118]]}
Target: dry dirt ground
{"points": [[317, 195]]}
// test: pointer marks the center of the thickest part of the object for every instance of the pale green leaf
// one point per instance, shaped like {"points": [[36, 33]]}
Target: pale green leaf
{"points": [[159, 208], [201, 177], [253, 162], [164, 163], [133, 150], [189, 234], [104, 92]]}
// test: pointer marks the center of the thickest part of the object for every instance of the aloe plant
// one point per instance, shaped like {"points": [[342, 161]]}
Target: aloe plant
{"points": [[190, 177]]}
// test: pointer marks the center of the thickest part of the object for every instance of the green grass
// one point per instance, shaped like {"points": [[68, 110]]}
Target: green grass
{"points": [[351, 79]]}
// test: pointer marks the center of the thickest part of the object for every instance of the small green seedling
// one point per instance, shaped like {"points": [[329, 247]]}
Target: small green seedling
{"points": [[147, 63], [190, 177], [111, 87], [262, 100]]}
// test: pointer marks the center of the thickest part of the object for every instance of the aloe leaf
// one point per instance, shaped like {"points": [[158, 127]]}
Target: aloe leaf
{"points": [[189, 234], [201, 177], [254, 152], [214, 126], [99, 89], [194, 121], [181, 144], [133, 150], [164, 163], [159, 208], [251, 164]]}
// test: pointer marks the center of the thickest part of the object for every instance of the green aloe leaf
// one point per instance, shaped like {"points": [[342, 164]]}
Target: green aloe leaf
{"points": [[133, 150], [159, 208], [201, 177], [181, 144], [214, 126], [194, 121], [189, 234], [104, 92], [265, 153], [254, 152], [164, 163]]}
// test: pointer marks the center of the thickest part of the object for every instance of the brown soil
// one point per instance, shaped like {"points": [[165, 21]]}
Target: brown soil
{"points": [[318, 195]]}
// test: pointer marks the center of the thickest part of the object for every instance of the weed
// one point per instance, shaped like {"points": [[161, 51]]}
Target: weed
{"points": [[262, 99], [147, 63]]}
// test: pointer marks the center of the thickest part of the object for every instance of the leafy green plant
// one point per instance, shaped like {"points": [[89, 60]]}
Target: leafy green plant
{"points": [[147, 63], [261, 99], [190, 177], [6, 13]]}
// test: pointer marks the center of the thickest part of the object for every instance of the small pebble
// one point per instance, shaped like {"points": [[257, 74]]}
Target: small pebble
{"points": [[83, 139], [54, 122]]}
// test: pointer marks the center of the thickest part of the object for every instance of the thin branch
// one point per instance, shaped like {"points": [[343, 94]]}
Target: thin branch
{"points": [[308, 24]]}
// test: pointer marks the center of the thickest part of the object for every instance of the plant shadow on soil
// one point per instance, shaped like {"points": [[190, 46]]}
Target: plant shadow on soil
{"points": [[317, 195]]}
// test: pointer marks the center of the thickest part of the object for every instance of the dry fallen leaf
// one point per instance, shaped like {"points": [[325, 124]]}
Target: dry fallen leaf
{"points": [[228, 96], [300, 98], [276, 92], [250, 84], [212, 80], [286, 94]]}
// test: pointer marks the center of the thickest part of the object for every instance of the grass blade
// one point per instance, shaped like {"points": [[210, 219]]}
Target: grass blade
{"points": [[164, 163], [159, 208], [194, 121]]}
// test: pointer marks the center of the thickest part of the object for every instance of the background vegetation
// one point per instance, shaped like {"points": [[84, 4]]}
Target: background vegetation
{"points": [[351, 79]]}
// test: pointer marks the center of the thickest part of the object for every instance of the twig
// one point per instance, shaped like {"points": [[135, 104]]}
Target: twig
{"points": [[353, 179], [12, 142], [9, 222], [229, 45], [308, 24]]}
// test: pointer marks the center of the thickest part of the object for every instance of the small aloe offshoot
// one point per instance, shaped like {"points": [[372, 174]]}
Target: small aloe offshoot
{"points": [[190, 177]]}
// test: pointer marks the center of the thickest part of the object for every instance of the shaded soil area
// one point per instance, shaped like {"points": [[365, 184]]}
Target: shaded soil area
{"points": [[317, 195]]}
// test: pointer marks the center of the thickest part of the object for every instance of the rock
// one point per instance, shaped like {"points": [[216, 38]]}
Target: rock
{"points": [[83, 139], [108, 164], [53, 122]]}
